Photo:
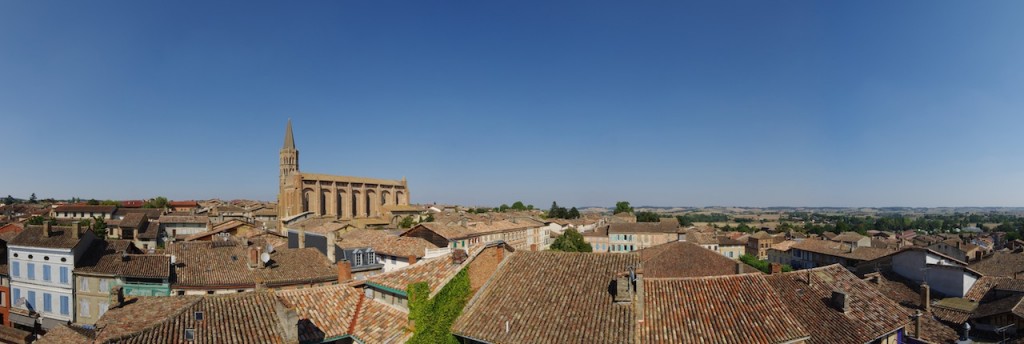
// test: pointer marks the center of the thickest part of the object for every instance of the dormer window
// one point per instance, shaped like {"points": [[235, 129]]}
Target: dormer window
{"points": [[358, 257], [199, 316], [190, 334]]}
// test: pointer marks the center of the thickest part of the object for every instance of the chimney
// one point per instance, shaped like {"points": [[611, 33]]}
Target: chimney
{"points": [[331, 247], [841, 301], [75, 228], [412, 260], [533, 247], [623, 289], [926, 297], [917, 324], [344, 271], [116, 297], [302, 238], [739, 268], [775, 268], [46, 229]]}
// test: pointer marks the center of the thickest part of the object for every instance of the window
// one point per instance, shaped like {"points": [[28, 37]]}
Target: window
{"points": [[47, 302], [3, 299], [17, 294], [104, 285], [31, 270], [358, 257], [31, 300], [46, 273], [103, 308], [16, 268], [64, 275], [83, 307], [64, 305], [190, 334], [83, 284], [199, 316]]}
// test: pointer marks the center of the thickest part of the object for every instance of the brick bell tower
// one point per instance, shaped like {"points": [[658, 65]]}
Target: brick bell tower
{"points": [[289, 166]]}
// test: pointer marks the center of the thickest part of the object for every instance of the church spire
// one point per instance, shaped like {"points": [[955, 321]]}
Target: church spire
{"points": [[289, 141]]}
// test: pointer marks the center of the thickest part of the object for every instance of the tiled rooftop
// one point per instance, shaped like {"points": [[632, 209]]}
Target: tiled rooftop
{"points": [[684, 259], [837, 249], [339, 310], [208, 264], [551, 297], [725, 309], [1003, 264], [105, 257], [60, 237], [870, 315]]}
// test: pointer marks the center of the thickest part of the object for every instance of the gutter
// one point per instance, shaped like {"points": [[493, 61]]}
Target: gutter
{"points": [[386, 288]]}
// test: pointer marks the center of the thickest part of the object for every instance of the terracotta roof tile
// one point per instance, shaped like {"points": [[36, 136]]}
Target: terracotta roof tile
{"points": [[253, 317], [82, 208], [529, 292], [871, 314], [64, 334], [684, 259], [209, 264], [60, 237], [332, 311], [726, 309], [1003, 264], [841, 250]]}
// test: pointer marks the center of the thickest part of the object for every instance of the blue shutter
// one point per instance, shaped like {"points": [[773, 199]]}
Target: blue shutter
{"points": [[64, 305], [31, 298], [46, 273], [47, 302], [31, 271], [16, 269], [63, 275], [17, 294]]}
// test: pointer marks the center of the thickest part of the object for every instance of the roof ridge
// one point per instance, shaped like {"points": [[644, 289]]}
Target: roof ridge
{"points": [[355, 315], [153, 326]]}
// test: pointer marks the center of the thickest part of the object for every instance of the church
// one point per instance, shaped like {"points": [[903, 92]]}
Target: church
{"points": [[341, 197]]}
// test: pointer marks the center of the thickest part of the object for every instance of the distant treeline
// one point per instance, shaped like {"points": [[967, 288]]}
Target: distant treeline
{"points": [[689, 219]]}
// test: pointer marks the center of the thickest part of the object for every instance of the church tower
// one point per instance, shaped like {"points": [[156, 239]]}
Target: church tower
{"points": [[289, 155]]}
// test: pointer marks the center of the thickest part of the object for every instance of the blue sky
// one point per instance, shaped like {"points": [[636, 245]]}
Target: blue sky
{"points": [[759, 103]]}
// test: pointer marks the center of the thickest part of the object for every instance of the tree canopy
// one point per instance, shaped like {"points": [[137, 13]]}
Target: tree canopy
{"points": [[159, 202], [571, 241], [647, 216], [623, 207]]}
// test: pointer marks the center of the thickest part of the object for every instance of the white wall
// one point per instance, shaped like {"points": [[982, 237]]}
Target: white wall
{"points": [[943, 275]]}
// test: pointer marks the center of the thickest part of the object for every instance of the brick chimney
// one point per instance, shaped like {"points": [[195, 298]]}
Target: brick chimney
{"points": [[75, 229], [840, 301], [344, 271], [775, 268], [623, 289], [116, 297], [46, 229], [533, 247], [926, 297], [412, 260]]}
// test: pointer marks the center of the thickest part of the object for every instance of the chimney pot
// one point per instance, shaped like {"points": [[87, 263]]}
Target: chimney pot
{"points": [[46, 229], [775, 268]]}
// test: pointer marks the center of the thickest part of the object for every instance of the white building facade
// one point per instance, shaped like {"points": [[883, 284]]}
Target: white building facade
{"points": [[42, 284]]}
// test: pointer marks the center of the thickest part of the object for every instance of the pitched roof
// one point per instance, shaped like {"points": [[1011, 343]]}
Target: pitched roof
{"points": [[254, 317], [848, 237], [105, 257], [64, 334], [1000, 264], [871, 314], [83, 208], [643, 227], [526, 294], [1010, 304], [724, 309], [685, 259], [151, 213], [837, 249], [133, 220], [184, 219], [456, 231], [383, 242], [906, 293], [60, 237], [339, 310], [210, 264], [435, 272]]}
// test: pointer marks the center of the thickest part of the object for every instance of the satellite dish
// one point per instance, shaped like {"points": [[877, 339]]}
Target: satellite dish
{"points": [[269, 249], [265, 257]]}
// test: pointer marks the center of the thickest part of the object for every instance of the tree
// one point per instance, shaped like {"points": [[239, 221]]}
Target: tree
{"points": [[159, 202], [571, 241], [503, 208], [430, 218], [110, 202], [647, 216], [9, 200], [557, 212], [573, 213], [529, 207], [93, 202], [99, 227], [518, 206], [407, 222], [33, 199], [36, 220], [623, 207]]}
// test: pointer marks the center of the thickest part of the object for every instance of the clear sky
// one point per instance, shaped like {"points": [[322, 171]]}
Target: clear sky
{"points": [[758, 103]]}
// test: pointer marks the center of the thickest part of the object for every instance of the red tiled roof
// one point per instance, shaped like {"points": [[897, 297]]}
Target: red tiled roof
{"points": [[530, 293], [871, 314], [684, 259], [725, 309], [209, 264], [60, 237], [64, 334], [254, 317], [333, 311], [82, 208]]}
